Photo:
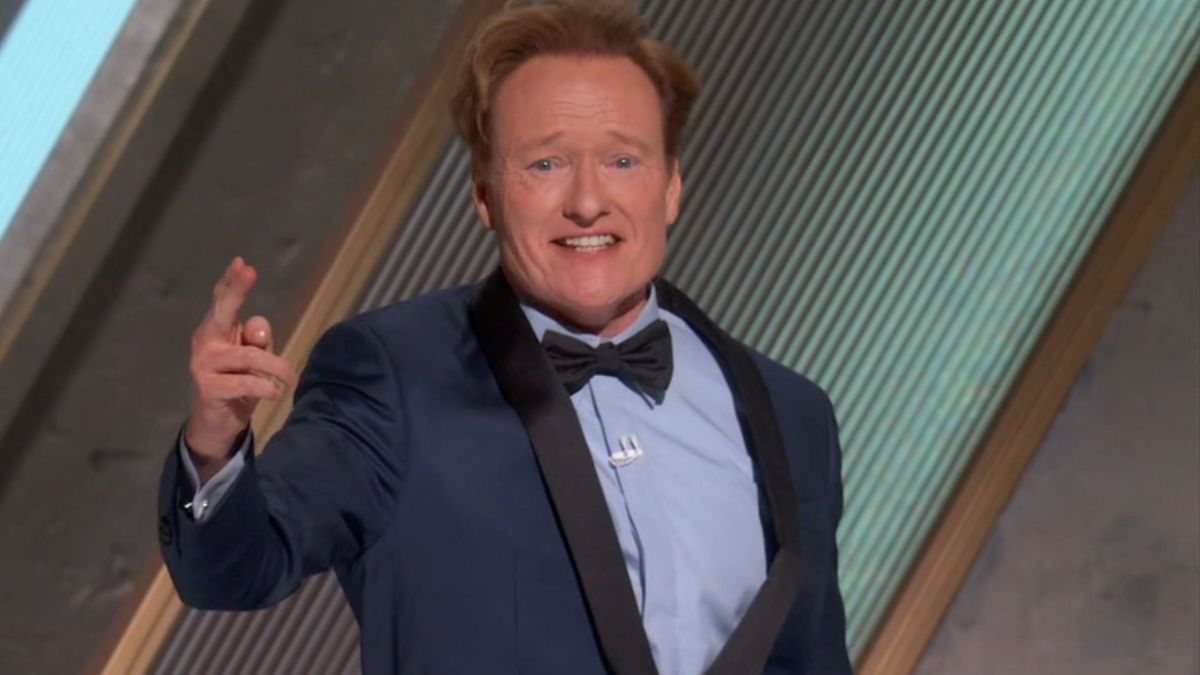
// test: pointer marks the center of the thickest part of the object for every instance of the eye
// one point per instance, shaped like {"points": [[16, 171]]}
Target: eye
{"points": [[625, 162], [542, 165]]}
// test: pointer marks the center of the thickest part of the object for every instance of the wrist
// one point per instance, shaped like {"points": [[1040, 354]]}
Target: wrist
{"points": [[211, 449]]}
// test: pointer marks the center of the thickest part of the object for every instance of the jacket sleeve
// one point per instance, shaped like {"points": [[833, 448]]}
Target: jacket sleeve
{"points": [[321, 493], [828, 650]]}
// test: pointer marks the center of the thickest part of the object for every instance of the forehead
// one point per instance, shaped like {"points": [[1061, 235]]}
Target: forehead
{"points": [[577, 97]]}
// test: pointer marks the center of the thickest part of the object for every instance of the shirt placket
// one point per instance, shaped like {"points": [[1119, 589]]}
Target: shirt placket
{"points": [[638, 481]]}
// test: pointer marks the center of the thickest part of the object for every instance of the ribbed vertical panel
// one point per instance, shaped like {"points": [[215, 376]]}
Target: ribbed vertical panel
{"points": [[313, 632], [888, 197]]}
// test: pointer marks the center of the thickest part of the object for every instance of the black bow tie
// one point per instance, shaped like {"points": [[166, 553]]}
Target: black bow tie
{"points": [[644, 359]]}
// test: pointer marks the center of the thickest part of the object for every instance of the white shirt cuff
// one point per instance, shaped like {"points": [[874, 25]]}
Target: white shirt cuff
{"points": [[206, 498]]}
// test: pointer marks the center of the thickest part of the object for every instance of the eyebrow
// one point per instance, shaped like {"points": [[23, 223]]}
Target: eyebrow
{"points": [[631, 140], [540, 142], [548, 139]]}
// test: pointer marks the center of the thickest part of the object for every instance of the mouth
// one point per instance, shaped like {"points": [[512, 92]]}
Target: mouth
{"points": [[588, 243]]}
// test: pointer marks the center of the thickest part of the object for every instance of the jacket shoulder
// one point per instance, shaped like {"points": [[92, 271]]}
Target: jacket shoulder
{"points": [[809, 425], [427, 314], [785, 383]]}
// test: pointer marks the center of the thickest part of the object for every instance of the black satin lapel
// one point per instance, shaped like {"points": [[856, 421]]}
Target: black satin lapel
{"points": [[750, 645], [529, 384]]}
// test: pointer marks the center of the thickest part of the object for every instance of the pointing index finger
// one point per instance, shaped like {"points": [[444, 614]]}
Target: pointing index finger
{"points": [[230, 295]]}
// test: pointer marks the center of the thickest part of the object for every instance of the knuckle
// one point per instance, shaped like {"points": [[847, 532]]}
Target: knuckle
{"points": [[201, 354], [204, 388]]}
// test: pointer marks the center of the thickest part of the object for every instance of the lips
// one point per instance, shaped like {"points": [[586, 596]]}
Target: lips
{"points": [[588, 243]]}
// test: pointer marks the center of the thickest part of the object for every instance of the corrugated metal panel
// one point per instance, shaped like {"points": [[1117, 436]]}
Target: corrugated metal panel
{"points": [[888, 197], [313, 631]]}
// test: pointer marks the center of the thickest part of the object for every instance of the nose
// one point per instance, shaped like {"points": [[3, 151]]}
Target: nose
{"points": [[587, 199]]}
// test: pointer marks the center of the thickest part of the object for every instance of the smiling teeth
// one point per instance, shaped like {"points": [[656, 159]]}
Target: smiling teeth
{"points": [[590, 243]]}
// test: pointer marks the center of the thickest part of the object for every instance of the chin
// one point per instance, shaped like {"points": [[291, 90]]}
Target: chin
{"points": [[595, 310], [600, 288], [589, 299]]}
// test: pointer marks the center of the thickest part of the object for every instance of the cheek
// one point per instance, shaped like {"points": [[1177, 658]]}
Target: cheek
{"points": [[527, 207], [656, 249], [522, 236], [514, 227], [655, 218]]}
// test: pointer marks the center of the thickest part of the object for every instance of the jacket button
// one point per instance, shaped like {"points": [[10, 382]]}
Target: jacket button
{"points": [[164, 531]]}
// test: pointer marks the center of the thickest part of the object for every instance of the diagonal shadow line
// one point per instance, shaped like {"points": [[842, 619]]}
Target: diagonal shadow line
{"points": [[112, 275], [8, 13]]}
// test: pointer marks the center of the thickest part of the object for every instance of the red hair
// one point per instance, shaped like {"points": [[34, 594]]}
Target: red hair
{"points": [[568, 27]]}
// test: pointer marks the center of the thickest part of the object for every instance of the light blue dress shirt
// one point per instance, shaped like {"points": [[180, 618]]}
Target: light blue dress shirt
{"points": [[686, 509]]}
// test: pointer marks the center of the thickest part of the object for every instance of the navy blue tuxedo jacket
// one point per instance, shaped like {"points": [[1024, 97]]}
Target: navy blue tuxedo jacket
{"points": [[436, 464]]}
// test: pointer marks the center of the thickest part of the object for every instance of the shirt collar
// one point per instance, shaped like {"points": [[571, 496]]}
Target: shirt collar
{"points": [[541, 322]]}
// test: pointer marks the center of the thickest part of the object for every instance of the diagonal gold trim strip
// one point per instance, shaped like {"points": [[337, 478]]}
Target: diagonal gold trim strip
{"points": [[1040, 391], [368, 228]]}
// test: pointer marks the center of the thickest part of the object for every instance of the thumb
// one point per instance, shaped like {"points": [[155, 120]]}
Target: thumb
{"points": [[256, 332]]}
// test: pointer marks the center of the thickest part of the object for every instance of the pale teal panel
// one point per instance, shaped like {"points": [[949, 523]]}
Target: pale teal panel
{"points": [[47, 59]]}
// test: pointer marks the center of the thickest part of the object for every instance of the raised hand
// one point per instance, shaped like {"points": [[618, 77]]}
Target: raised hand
{"points": [[233, 366]]}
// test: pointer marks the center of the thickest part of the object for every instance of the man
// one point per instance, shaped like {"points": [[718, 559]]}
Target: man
{"points": [[565, 469]]}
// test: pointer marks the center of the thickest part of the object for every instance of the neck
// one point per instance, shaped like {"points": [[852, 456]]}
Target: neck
{"points": [[605, 324]]}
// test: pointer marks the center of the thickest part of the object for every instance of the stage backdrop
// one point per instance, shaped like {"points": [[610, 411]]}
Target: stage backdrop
{"points": [[888, 197]]}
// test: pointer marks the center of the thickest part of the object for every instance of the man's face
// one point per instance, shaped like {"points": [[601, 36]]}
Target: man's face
{"points": [[579, 189]]}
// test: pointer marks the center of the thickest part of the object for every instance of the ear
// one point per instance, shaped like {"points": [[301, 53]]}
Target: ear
{"points": [[479, 197], [674, 192]]}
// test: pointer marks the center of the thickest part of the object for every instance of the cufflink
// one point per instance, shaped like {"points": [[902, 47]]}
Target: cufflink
{"points": [[195, 510]]}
